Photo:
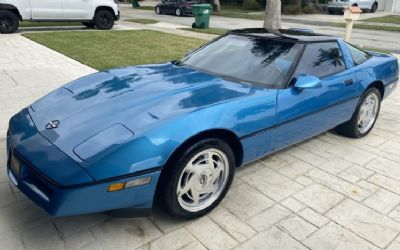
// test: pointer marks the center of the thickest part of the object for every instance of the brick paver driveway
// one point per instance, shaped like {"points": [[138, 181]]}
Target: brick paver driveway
{"points": [[329, 192]]}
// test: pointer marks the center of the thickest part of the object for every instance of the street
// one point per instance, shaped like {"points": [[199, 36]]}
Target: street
{"points": [[368, 38]]}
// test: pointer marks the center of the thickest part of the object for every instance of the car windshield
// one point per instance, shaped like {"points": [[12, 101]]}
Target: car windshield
{"points": [[247, 59]]}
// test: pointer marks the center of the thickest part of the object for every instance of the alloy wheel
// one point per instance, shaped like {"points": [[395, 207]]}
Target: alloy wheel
{"points": [[368, 112], [5, 23], [202, 180]]}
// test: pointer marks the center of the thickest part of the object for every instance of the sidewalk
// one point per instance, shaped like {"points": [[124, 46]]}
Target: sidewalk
{"points": [[28, 71]]}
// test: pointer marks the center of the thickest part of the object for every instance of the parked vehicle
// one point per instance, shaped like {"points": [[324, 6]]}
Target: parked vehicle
{"points": [[177, 131], [92, 13], [337, 6], [176, 7]]}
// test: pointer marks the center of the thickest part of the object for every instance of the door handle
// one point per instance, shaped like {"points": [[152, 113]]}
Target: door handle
{"points": [[348, 82]]}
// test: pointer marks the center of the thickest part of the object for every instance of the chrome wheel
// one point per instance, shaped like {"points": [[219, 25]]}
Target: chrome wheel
{"points": [[158, 10], [178, 12], [368, 112], [5, 22], [202, 180]]}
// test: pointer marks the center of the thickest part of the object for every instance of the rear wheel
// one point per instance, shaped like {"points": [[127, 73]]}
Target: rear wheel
{"points": [[374, 8], [364, 118], [90, 25], [158, 10], [199, 179], [178, 12], [8, 22], [104, 19]]}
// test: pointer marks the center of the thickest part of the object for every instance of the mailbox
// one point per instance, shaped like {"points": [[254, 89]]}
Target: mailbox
{"points": [[352, 13]]}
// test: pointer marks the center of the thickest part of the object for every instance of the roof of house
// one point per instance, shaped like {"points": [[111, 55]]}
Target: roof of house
{"points": [[304, 35]]}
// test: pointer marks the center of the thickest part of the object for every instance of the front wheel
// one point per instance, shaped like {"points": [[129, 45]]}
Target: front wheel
{"points": [[8, 22], [104, 19], [364, 118], [158, 10], [178, 12], [200, 179], [374, 8]]}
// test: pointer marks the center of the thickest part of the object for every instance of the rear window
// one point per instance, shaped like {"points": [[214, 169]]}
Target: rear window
{"points": [[358, 55]]}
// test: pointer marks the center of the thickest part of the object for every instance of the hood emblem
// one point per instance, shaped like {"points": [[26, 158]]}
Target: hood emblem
{"points": [[53, 124]]}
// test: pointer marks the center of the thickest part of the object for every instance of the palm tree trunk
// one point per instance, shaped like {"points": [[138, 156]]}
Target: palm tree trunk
{"points": [[217, 5], [272, 18]]}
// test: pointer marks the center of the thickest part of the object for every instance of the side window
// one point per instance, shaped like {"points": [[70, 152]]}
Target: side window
{"points": [[358, 55], [321, 59]]}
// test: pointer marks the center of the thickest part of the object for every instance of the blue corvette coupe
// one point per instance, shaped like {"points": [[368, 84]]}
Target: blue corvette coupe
{"points": [[175, 132]]}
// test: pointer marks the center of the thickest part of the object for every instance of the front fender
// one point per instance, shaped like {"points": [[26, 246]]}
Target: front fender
{"points": [[152, 147]]}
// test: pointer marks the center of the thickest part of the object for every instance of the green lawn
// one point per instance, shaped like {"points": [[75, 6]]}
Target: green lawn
{"points": [[110, 49], [213, 31], [143, 20], [240, 15], [384, 19], [370, 27], [48, 24], [232, 7], [376, 50], [356, 25]]}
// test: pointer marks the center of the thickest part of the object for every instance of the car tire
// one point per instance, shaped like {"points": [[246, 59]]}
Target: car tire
{"points": [[331, 12], [364, 117], [9, 22], [89, 25], [191, 176], [374, 8], [157, 10], [178, 12], [104, 19]]}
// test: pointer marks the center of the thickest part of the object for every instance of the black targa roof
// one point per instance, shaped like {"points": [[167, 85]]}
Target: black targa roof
{"points": [[302, 35]]}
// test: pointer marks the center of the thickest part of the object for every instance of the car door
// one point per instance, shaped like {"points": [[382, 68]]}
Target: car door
{"points": [[365, 4], [164, 6], [46, 9], [302, 113], [172, 4], [77, 9]]}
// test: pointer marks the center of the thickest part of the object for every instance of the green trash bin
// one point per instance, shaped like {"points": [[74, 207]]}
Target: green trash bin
{"points": [[202, 13], [135, 4]]}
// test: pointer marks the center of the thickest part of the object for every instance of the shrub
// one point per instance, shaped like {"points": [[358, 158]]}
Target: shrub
{"points": [[309, 9], [291, 9], [262, 3], [251, 5]]}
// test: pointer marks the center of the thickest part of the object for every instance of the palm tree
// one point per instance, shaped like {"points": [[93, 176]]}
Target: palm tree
{"points": [[272, 18], [217, 5]]}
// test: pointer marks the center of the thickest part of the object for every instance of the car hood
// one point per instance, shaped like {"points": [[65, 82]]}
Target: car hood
{"points": [[136, 98]]}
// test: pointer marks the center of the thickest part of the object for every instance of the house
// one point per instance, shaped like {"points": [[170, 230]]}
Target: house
{"points": [[389, 5]]}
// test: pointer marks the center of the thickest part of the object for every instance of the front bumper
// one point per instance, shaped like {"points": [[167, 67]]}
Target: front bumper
{"points": [[74, 199], [117, 17]]}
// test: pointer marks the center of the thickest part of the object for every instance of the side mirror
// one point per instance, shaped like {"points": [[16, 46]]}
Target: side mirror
{"points": [[307, 82]]}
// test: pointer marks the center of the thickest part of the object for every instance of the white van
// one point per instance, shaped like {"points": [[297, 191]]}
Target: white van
{"points": [[337, 6], [92, 13]]}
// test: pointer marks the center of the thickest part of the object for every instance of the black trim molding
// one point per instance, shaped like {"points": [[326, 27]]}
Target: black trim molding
{"points": [[295, 119]]}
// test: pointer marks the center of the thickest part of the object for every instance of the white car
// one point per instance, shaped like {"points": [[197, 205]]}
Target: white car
{"points": [[337, 6], [92, 13]]}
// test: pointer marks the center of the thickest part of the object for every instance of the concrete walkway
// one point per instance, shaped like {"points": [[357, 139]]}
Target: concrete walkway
{"points": [[329, 192], [28, 71]]}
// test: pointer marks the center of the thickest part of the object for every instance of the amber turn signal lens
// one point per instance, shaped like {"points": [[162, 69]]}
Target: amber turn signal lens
{"points": [[116, 187]]}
